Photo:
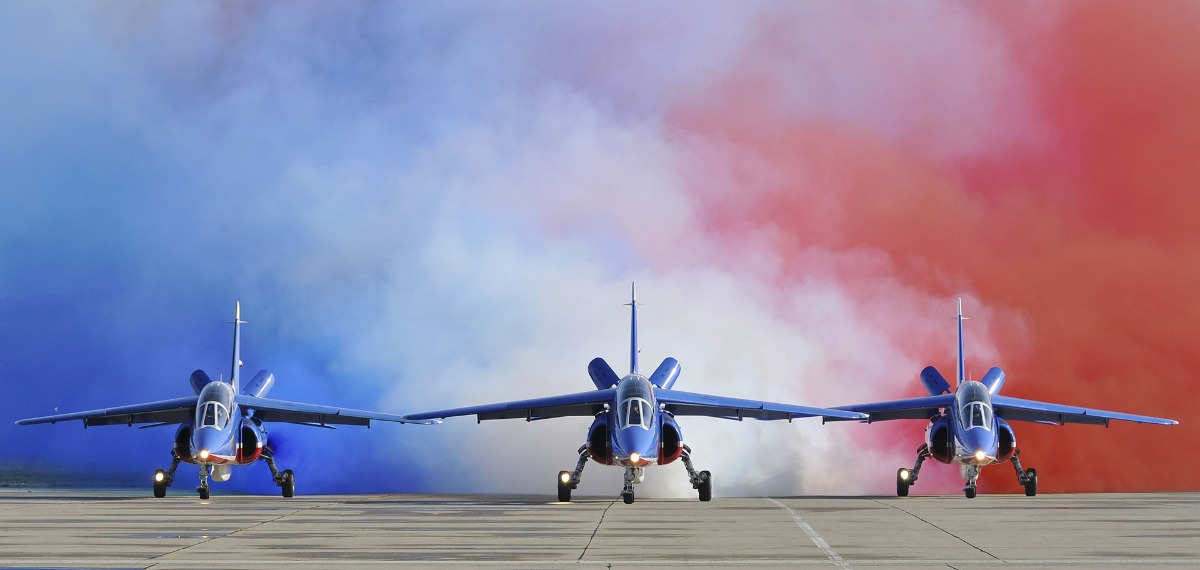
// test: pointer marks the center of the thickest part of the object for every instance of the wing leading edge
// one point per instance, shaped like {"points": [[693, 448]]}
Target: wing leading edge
{"points": [[680, 403], [587, 403], [271, 410], [677, 403], [1046, 412], [1015, 409], [177, 410]]}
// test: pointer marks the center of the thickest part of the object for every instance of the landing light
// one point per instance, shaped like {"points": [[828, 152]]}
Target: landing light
{"points": [[158, 477], [634, 457], [904, 474], [566, 477], [203, 455], [980, 455]]}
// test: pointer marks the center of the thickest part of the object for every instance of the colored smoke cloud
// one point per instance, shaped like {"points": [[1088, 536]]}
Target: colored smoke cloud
{"points": [[424, 207]]}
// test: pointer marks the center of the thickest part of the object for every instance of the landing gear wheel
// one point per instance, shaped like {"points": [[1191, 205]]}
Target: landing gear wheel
{"points": [[203, 493], [160, 484], [628, 497], [705, 487], [564, 486], [970, 492], [902, 483], [1031, 482], [288, 483]]}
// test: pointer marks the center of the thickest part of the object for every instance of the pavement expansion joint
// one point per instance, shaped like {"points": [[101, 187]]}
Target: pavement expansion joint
{"points": [[935, 525]]}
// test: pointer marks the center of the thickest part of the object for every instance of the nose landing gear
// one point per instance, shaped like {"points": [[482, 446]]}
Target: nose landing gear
{"points": [[205, 473]]}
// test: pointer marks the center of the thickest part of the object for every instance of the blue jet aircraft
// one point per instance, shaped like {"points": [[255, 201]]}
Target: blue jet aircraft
{"points": [[222, 425], [634, 418], [969, 425]]}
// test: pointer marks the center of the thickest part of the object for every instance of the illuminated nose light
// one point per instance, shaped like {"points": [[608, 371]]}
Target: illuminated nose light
{"points": [[634, 457], [203, 454], [566, 477], [980, 455], [158, 477], [904, 474]]}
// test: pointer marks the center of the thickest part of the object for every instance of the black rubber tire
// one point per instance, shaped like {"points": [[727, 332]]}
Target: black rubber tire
{"points": [[628, 498], [160, 487], [1031, 482], [564, 489], [705, 487], [901, 484], [289, 484], [969, 492], [203, 493]]}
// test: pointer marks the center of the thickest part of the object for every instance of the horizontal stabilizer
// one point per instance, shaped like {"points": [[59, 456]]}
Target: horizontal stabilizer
{"points": [[665, 375], [934, 382], [602, 374], [993, 380]]}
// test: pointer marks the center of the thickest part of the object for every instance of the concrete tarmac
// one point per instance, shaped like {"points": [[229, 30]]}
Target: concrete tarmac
{"points": [[105, 528]]}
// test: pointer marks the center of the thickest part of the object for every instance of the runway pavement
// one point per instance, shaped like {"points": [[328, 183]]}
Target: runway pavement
{"points": [[105, 528]]}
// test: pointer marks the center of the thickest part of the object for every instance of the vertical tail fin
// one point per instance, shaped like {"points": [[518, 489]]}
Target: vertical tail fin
{"points": [[235, 374], [633, 342], [961, 374]]}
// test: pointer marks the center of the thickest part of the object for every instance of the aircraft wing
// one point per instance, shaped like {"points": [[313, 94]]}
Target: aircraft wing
{"points": [[178, 410], [579, 404], [271, 410], [692, 404], [1045, 412], [907, 409]]}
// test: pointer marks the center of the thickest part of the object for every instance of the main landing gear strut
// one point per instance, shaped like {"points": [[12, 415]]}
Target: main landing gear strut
{"points": [[1027, 477], [286, 479], [569, 480], [163, 479], [701, 481], [906, 478]]}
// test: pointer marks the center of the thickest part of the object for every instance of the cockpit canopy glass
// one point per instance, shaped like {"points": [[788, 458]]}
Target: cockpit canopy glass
{"points": [[634, 408], [974, 406], [214, 414], [215, 401]]}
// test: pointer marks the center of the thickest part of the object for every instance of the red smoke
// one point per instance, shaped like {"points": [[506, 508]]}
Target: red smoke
{"points": [[1085, 243]]}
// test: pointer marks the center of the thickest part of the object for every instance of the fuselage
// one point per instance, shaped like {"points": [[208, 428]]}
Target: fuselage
{"points": [[214, 433], [973, 424], [637, 426]]}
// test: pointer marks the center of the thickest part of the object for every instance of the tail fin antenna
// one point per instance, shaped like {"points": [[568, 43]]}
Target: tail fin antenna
{"points": [[235, 374], [960, 375], [633, 341]]}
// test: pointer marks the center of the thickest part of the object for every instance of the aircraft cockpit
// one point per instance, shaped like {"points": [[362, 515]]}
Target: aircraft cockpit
{"points": [[634, 408], [974, 406], [215, 401]]}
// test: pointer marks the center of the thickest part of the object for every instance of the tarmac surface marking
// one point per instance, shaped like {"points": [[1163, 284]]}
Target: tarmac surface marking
{"points": [[106, 528]]}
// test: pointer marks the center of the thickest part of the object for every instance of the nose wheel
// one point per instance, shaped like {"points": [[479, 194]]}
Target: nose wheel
{"points": [[205, 473], [971, 474]]}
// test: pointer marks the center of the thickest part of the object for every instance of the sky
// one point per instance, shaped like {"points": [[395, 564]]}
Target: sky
{"points": [[432, 205]]}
